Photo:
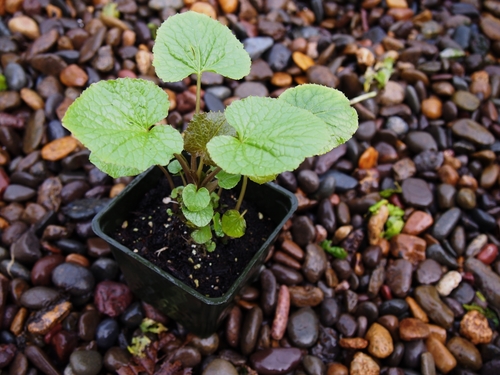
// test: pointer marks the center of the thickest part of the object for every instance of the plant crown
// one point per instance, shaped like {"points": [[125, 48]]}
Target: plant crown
{"points": [[121, 122]]}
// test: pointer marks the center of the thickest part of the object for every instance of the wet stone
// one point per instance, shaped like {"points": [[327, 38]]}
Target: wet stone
{"points": [[446, 195], [112, 298], [84, 209], [465, 352], [466, 100], [487, 280], [15, 76], [303, 328], [27, 248], [18, 193], [346, 325], [73, 278], [251, 89], [257, 46], [398, 277], [416, 192], [220, 366], [104, 269], [428, 272], [275, 360], [115, 358], [472, 131], [38, 297], [419, 141], [106, 333], [437, 253], [314, 263], [446, 222], [303, 230], [85, 362], [428, 298], [278, 57], [343, 182]]}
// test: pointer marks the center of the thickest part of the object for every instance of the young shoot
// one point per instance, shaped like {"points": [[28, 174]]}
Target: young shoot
{"points": [[121, 122]]}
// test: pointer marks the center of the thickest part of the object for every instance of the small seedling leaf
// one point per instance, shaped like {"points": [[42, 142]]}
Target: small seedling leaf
{"points": [[139, 345], [272, 137], [195, 200], [386, 193], [201, 129], [199, 218], [228, 180], [190, 43], [210, 246], [329, 105], [395, 210], [116, 121], [150, 325], [218, 225], [394, 225], [202, 235], [174, 167], [336, 251], [233, 224], [374, 208]]}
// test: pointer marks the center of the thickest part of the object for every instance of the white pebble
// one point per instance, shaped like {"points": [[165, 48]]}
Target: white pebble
{"points": [[448, 282]]}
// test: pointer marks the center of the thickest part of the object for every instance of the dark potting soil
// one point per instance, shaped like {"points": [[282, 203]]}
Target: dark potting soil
{"points": [[165, 241]]}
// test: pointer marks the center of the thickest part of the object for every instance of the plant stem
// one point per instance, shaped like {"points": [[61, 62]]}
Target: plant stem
{"points": [[198, 93], [183, 162], [168, 176], [193, 169], [210, 176], [362, 97], [200, 168], [242, 193]]}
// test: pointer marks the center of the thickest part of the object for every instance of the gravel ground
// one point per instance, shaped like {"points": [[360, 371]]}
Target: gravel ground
{"points": [[424, 301]]}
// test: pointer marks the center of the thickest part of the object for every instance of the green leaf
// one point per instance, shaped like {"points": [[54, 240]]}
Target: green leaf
{"points": [[218, 225], [273, 137], [233, 224], [150, 325], [110, 10], [199, 218], [202, 235], [116, 121], [388, 192], [395, 210], [201, 129], [263, 179], [174, 167], [210, 246], [176, 191], [214, 200], [394, 225], [195, 200], [336, 251], [190, 43], [3, 83], [139, 344], [374, 208], [228, 180], [329, 105]]}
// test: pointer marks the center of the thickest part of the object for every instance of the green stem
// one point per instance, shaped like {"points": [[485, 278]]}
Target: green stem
{"points": [[198, 93], [193, 169], [210, 176], [183, 178], [183, 162], [362, 97], [242, 193], [168, 176], [200, 168]]}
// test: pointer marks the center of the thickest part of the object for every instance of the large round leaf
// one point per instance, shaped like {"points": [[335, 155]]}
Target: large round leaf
{"points": [[330, 105], [116, 121], [272, 137], [190, 43]]}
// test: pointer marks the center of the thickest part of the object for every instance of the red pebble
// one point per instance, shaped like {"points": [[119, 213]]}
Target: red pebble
{"points": [[126, 74], [488, 253], [385, 291], [395, 199], [48, 337], [468, 277], [112, 298]]}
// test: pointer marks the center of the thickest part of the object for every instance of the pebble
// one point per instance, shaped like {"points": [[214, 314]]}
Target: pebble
{"points": [[363, 364], [18, 193], [25, 26], [411, 329], [43, 323], [40, 360], [38, 297], [398, 277], [465, 353], [220, 366], [408, 247], [106, 333], [380, 341], [473, 132], [73, 278], [73, 75], [250, 330], [444, 360], [59, 148], [85, 362], [416, 192], [448, 283], [275, 360], [15, 76], [428, 298], [303, 326], [487, 280], [392, 94], [417, 223], [432, 108], [257, 46], [115, 358], [466, 100], [446, 223], [112, 298]]}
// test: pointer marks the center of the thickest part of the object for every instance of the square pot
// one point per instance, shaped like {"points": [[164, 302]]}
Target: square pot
{"points": [[198, 313]]}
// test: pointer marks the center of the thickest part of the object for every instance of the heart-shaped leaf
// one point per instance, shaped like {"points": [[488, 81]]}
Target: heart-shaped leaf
{"points": [[202, 235], [174, 167], [195, 200], [201, 129], [330, 105], [191, 42], [272, 137], [233, 224], [116, 121], [199, 218], [228, 180]]}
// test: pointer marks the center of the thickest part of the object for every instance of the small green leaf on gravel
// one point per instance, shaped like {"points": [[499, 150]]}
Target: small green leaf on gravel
{"points": [[174, 167], [202, 235], [150, 325], [116, 121], [110, 10], [272, 137], [199, 218], [374, 208], [394, 225], [228, 180], [451, 53], [3, 83], [395, 210], [388, 192], [201, 129], [195, 200], [329, 105], [190, 43], [233, 224], [336, 251]]}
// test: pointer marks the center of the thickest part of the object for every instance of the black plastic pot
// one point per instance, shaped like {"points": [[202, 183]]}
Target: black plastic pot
{"points": [[196, 312]]}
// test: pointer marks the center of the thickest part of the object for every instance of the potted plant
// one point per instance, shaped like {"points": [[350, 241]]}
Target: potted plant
{"points": [[199, 188]]}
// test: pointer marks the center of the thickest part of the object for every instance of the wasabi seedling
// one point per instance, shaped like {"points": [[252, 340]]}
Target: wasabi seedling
{"points": [[121, 122]]}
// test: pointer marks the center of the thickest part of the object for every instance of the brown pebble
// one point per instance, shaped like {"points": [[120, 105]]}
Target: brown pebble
{"points": [[204, 8], [302, 296], [368, 159], [25, 26], [233, 326], [228, 6], [32, 99], [73, 75], [411, 329], [380, 341], [17, 325], [363, 364], [444, 360], [59, 148], [353, 343], [416, 310], [281, 316], [475, 327], [303, 61], [43, 324], [432, 108], [337, 369], [77, 259]]}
